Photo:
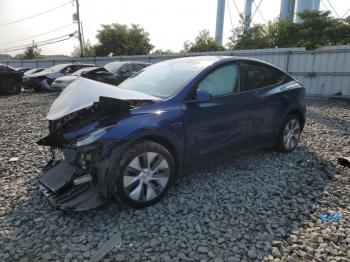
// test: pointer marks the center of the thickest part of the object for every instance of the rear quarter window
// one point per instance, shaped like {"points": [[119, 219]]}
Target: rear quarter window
{"points": [[256, 75]]}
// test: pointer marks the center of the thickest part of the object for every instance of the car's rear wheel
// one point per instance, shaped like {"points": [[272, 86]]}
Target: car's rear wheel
{"points": [[146, 171], [11, 87], [289, 135]]}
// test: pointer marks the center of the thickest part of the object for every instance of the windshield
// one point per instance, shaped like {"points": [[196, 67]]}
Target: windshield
{"points": [[164, 79], [55, 68], [114, 67], [32, 71], [84, 71]]}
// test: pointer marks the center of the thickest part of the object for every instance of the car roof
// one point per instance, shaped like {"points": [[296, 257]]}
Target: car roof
{"points": [[213, 58], [217, 60], [128, 62]]}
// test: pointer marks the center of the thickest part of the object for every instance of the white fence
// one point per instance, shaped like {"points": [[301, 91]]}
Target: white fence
{"points": [[324, 72]]}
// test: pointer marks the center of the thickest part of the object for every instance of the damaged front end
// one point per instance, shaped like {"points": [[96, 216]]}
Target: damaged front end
{"points": [[75, 177]]}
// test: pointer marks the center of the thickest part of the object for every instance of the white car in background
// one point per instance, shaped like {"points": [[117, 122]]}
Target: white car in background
{"points": [[62, 82], [112, 73], [42, 81]]}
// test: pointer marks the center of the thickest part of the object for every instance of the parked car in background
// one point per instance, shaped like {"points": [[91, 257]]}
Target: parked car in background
{"points": [[62, 82], [23, 69], [33, 71], [122, 71], [10, 80], [113, 73], [42, 81], [130, 142]]}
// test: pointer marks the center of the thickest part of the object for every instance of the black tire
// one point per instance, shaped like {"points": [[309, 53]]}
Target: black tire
{"points": [[280, 143], [120, 170], [11, 87]]}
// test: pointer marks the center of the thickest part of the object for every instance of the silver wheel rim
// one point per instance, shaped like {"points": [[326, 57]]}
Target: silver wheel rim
{"points": [[291, 134], [146, 177]]}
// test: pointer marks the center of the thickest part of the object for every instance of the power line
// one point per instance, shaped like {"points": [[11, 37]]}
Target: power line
{"points": [[345, 13], [53, 42], [324, 5], [258, 10], [38, 43], [333, 8], [38, 14], [229, 11], [34, 36], [237, 9]]}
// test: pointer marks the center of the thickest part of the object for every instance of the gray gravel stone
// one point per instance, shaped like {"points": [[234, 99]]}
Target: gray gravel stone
{"points": [[262, 206]]}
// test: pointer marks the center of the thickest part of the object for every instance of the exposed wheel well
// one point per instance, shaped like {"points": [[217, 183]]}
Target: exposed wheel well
{"points": [[168, 145], [300, 114]]}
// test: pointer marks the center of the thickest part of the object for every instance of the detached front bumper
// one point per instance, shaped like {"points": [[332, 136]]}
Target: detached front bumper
{"points": [[69, 188]]}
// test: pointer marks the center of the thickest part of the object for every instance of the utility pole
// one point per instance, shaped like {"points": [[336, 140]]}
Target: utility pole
{"points": [[79, 30], [247, 14], [220, 14]]}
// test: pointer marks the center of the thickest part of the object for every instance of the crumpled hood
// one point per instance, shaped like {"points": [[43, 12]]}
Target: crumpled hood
{"points": [[84, 92]]}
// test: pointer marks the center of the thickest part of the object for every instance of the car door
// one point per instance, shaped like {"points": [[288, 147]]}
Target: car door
{"points": [[262, 84], [217, 127]]}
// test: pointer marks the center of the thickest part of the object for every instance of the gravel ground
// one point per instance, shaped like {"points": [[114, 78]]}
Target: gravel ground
{"points": [[263, 206]]}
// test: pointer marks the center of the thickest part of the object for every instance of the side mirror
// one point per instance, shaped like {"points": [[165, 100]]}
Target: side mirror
{"points": [[203, 96]]}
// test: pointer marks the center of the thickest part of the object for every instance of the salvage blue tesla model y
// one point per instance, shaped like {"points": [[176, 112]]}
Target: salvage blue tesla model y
{"points": [[131, 142]]}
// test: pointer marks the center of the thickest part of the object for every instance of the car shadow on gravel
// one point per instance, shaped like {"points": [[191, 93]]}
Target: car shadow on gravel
{"points": [[240, 209]]}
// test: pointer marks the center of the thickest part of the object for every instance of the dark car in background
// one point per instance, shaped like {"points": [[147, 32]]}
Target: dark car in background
{"points": [[130, 142], [122, 71], [42, 81], [10, 80], [113, 73]]}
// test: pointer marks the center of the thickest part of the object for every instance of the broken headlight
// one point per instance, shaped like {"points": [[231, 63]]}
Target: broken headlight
{"points": [[91, 138]]}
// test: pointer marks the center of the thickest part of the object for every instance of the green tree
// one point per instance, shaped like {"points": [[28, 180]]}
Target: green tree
{"points": [[318, 29], [282, 33], [118, 39], [254, 38], [89, 50], [31, 52], [161, 52], [203, 43]]}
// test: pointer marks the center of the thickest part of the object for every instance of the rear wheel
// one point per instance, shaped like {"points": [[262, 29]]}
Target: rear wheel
{"points": [[289, 135], [146, 171], [11, 87]]}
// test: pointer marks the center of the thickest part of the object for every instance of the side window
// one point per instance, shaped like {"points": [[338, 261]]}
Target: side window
{"points": [[69, 70], [137, 67], [222, 81], [255, 76], [126, 69]]}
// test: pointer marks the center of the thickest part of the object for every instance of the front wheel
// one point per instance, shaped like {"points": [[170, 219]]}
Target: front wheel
{"points": [[289, 135], [144, 174]]}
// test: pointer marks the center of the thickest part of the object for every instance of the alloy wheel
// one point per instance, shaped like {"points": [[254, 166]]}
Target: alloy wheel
{"points": [[291, 134], [146, 177]]}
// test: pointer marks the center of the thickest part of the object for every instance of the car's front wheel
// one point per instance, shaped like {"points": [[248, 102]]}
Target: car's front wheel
{"points": [[289, 135], [145, 172]]}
